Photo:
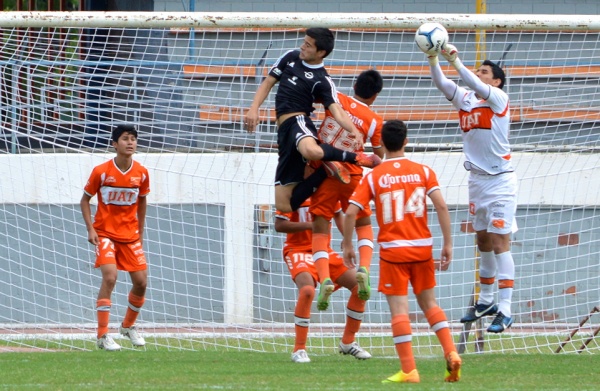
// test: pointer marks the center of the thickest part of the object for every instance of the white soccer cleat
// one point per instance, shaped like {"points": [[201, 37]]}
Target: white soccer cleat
{"points": [[355, 350], [107, 343], [133, 335], [300, 356]]}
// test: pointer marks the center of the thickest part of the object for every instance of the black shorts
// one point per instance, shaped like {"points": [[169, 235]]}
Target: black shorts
{"points": [[291, 164]]}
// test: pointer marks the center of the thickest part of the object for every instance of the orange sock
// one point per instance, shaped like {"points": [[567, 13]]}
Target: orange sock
{"points": [[320, 246], [133, 310], [354, 315], [306, 294], [439, 324], [103, 314], [364, 235], [402, 333]]}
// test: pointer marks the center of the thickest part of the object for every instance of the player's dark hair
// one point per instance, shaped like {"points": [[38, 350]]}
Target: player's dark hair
{"points": [[119, 130], [368, 84], [497, 72], [393, 134], [324, 39]]}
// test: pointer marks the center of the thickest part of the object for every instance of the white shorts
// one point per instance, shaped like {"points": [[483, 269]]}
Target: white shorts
{"points": [[493, 202]]}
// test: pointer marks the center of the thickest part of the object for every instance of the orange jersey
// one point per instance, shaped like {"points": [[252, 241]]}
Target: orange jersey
{"points": [[118, 192], [299, 240], [365, 120], [399, 188]]}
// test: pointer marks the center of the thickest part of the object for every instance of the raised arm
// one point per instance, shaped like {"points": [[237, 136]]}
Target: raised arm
{"points": [[482, 89], [445, 85]]}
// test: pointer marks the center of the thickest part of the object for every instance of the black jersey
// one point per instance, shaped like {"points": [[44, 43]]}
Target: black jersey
{"points": [[301, 85]]}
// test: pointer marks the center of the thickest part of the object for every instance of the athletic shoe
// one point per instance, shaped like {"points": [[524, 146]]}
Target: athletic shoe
{"points": [[369, 161], [325, 291], [107, 343], [401, 377], [338, 171], [133, 335], [500, 323], [478, 311], [364, 285], [300, 356], [453, 363], [355, 350]]}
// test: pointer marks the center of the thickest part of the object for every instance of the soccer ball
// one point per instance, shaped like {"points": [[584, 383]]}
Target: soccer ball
{"points": [[431, 38]]}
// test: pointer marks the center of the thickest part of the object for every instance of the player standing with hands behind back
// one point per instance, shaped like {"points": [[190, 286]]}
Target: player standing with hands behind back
{"points": [[122, 185], [484, 115], [399, 188]]}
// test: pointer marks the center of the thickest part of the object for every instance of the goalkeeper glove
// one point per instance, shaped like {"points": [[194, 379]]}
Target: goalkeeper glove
{"points": [[450, 53], [433, 60]]}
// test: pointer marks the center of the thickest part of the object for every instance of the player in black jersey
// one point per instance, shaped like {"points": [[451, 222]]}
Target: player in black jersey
{"points": [[303, 80]]}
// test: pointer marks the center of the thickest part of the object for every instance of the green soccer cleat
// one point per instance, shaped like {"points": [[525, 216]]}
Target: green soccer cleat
{"points": [[325, 291], [364, 283]]}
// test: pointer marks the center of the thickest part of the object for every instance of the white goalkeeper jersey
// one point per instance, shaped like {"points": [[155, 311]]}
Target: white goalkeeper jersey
{"points": [[485, 125]]}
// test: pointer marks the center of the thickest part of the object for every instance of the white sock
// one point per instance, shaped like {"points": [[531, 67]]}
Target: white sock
{"points": [[487, 269], [506, 272]]}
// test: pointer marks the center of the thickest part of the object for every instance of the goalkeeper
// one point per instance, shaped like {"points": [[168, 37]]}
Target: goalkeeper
{"points": [[484, 115]]}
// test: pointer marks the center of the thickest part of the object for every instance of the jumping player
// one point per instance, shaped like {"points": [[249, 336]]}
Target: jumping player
{"points": [[399, 188], [332, 193], [484, 115], [303, 80], [122, 185]]}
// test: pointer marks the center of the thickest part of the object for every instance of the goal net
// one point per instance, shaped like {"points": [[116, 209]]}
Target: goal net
{"points": [[216, 274]]}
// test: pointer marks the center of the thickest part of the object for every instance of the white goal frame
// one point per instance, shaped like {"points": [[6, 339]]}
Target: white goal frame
{"points": [[242, 182]]}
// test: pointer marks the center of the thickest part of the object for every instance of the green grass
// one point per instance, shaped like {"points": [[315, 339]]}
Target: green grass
{"points": [[231, 370]]}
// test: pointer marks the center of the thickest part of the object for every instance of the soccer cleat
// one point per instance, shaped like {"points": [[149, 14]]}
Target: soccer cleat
{"points": [[300, 356], [355, 350], [401, 377], [338, 171], [325, 291], [364, 285], [478, 311], [369, 161], [133, 335], [453, 363], [500, 323], [107, 343]]}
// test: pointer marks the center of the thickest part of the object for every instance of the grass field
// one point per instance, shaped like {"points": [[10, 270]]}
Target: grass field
{"points": [[233, 370]]}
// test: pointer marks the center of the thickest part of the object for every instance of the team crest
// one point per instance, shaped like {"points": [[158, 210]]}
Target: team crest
{"points": [[308, 75], [135, 180]]}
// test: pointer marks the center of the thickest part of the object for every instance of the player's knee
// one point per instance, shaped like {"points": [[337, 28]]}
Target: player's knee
{"points": [[310, 150], [307, 292], [109, 281]]}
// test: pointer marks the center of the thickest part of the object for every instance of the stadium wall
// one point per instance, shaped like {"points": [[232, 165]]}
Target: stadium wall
{"points": [[210, 234]]}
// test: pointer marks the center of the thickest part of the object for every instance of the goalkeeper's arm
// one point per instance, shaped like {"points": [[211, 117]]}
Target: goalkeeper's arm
{"points": [[447, 86], [450, 53]]}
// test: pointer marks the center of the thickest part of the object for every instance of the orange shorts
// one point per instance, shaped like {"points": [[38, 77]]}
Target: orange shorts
{"points": [[299, 261], [127, 256], [324, 201], [394, 277]]}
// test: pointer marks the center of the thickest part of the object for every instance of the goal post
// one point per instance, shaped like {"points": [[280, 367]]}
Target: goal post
{"points": [[216, 276]]}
